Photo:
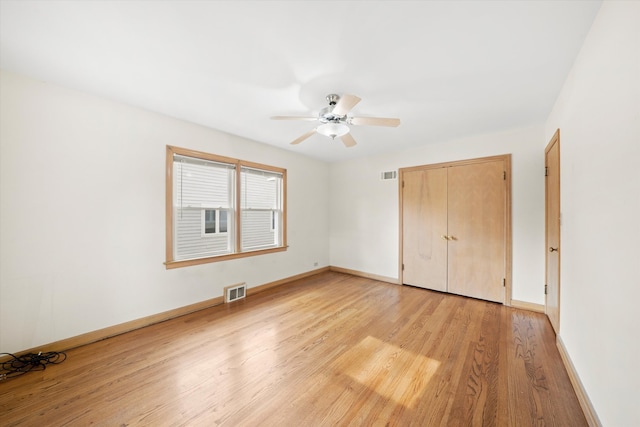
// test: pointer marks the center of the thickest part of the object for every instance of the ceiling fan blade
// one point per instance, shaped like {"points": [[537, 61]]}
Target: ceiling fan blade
{"points": [[345, 104], [374, 121], [303, 137], [348, 140], [294, 118]]}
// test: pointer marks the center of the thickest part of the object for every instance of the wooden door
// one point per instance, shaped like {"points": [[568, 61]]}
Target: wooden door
{"points": [[477, 226], [552, 208], [424, 223]]}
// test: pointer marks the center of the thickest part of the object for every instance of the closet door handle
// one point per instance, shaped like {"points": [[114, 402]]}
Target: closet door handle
{"points": [[444, 237], [553, 249]]}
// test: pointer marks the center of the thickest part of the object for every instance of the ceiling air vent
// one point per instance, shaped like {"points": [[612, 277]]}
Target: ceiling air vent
{"points": [[384, 176], [235, 292]]}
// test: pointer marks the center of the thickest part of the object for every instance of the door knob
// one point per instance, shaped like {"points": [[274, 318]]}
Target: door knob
{"points": [[444, 237], [553, 249]]}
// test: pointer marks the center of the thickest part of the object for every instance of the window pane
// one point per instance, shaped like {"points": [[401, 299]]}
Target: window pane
{"points": [[201, 188], [223, 221], [261, 204], [256, 230], [260, 189], [209, 221], [201, 183]]}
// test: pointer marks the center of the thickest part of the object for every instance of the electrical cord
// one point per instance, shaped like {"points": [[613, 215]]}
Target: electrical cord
{"points": [[18, 365]]}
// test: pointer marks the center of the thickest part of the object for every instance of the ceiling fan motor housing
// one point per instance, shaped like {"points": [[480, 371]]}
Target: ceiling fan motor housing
{"points": [[326, 114]]}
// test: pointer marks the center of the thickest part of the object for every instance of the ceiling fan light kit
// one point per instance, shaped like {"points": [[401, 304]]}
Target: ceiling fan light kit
{"points": [[334, 119], [333, 129]]}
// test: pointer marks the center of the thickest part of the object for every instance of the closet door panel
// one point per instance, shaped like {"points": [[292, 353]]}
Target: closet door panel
{"points": [[424, 219], [476, 225]]}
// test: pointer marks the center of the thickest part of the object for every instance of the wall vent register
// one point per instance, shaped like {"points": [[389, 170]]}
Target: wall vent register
{"points": [[384, 176], [234, 293]]}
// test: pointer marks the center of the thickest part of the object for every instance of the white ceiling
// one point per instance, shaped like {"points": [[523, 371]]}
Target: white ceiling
{"points": [[447, 69]]}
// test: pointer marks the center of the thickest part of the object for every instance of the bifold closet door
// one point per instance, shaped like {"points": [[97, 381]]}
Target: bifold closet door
{"points": [[477, 227], [424, 226]]}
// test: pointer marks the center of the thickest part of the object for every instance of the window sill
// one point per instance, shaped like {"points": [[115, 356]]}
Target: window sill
{"points": [[197, 261]]}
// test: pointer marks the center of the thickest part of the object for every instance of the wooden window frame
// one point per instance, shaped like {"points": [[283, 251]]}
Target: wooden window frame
{"points": [[239, 164]]}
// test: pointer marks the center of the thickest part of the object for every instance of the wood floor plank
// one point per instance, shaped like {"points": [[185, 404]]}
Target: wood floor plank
{"points": [[330, 349]]}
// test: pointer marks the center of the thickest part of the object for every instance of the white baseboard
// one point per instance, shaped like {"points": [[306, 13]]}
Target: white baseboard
{"points": [[365, 275], [587, 407], [527, 306]]}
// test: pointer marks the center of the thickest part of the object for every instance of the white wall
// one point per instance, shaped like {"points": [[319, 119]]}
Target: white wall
{"points": [[82, 192], [598, 113], [364, 209]]}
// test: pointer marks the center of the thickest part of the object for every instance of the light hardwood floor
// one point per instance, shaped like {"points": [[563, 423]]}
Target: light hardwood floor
{"points": [[331, 349]]}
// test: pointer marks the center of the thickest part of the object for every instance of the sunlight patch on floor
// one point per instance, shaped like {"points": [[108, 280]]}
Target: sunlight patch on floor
{"points": [[391, 371]]}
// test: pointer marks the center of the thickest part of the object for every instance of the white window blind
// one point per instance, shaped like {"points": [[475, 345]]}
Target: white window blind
{"points": [[261, 209], [203, 194]]}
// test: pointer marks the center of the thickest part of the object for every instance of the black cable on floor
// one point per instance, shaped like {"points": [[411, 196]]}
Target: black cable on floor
{"points": [[18, 365]]}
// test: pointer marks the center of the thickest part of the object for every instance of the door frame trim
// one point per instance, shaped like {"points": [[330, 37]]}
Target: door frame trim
{"points": [[555, 139], [508, 230]]}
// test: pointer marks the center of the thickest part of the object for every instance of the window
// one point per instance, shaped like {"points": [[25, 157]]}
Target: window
{"points": [[221, 208], [261, 214], [214, 221]]}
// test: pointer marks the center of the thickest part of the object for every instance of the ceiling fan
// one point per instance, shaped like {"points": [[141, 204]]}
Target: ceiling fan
{"points": [[335, 120]]}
